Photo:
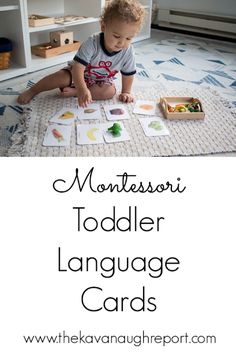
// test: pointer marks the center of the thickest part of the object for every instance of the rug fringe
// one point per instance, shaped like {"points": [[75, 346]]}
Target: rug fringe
{"points": [[3, 151], [20, 135]]}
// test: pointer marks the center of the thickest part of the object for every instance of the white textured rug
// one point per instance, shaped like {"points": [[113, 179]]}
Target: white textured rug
{"points": [[215, 134], [179, 63]]}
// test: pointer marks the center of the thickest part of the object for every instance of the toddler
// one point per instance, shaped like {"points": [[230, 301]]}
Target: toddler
{"points": [[99, 59]]}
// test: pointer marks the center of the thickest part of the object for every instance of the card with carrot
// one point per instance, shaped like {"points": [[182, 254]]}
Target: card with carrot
{"points": [[57, 135]]}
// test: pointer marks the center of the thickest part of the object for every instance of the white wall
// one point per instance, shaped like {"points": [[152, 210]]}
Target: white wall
{"points": [[221, 7]]}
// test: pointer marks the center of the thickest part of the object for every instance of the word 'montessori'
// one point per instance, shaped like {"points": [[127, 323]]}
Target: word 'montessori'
{"points": [[126, 183]]}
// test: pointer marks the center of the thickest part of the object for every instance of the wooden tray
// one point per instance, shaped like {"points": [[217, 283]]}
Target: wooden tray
{"points": [[165, 101], [45, 50], [37, 20]]}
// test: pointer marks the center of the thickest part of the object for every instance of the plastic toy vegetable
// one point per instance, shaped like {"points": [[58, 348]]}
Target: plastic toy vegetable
{"points": [[192, 107]]}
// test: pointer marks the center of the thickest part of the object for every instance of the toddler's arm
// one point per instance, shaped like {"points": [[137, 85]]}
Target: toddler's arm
{"points": [[83, 93], [126, 95]]}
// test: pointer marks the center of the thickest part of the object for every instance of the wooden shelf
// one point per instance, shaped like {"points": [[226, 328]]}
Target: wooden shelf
{"points": [[38, 63], [9, 8], [60, 26], [14, 25], [13, 71]]}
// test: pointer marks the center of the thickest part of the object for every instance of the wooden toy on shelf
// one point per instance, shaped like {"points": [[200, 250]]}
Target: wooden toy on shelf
{"points": [[38, 20], [46, 50], [59, 38]]}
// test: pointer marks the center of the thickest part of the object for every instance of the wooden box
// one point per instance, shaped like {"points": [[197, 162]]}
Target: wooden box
{"points": [[38, 20], [59, 38], [46, 50], [169, 103]]}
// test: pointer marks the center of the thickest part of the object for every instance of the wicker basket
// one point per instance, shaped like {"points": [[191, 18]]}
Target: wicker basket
{"points": [[5, 60], [5, 53]]}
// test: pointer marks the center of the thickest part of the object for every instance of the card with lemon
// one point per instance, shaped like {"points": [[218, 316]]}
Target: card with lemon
{"points": [[89, 134]]}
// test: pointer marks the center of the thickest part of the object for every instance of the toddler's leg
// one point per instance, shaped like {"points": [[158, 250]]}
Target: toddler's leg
{"points": [[101, 92], [58, 79], [69, 92]]}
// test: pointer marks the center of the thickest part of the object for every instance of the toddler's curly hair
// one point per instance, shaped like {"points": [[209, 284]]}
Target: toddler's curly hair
{"points": [[130, 11]]}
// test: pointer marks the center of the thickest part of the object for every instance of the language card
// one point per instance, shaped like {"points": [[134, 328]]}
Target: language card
{"points": [[65, 116], [92, 111], [116, 112], [89, 134], [115, 132], [145, 107], [57, 135], [153, 126]]}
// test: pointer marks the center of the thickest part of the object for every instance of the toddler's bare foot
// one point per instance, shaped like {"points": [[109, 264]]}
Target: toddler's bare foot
{"points": [[25, 97], [69, 92]]}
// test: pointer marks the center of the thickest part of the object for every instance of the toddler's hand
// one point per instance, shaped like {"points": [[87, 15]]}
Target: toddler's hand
{"points": [[126, 97], [84, 98]]}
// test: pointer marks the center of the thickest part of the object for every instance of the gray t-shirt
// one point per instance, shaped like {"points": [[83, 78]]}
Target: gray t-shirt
{"points": [[102, 65]]}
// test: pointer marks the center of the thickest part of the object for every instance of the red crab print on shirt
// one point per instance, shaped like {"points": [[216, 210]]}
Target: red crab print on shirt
{"points": [[102, 71]]}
